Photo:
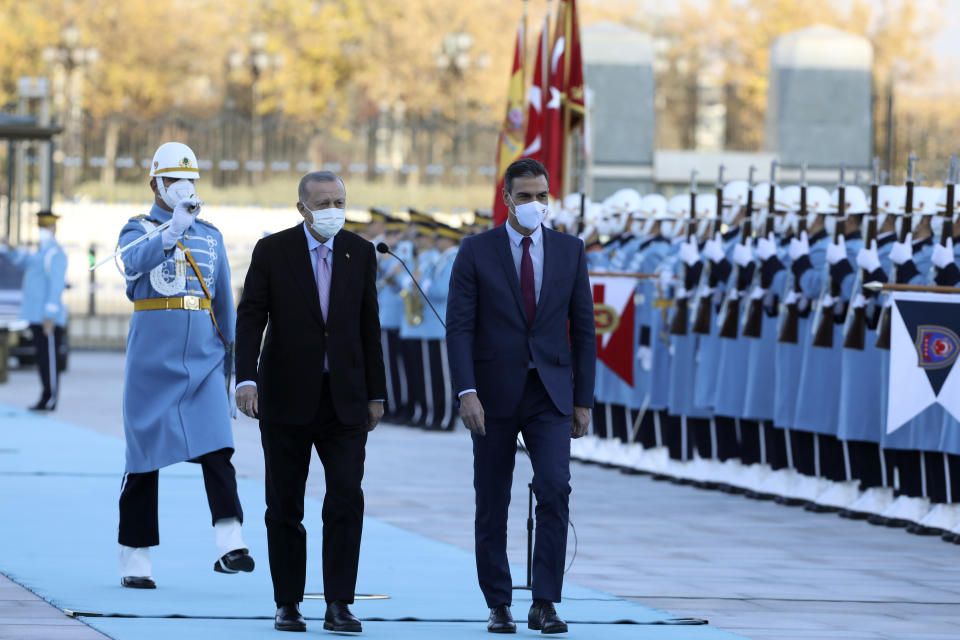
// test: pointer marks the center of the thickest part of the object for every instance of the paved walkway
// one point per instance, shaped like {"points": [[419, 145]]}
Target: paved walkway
{"points": [[758, 569]]}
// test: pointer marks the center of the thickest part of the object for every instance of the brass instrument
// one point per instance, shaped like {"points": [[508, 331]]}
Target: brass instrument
{"points": [[412, 306]]}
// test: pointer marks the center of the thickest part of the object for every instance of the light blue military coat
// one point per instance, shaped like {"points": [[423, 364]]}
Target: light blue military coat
{"points": [[175, 403], [44, 276], [437, 284], [861, 417], [821, 370], [388, 297], [430, 328]]}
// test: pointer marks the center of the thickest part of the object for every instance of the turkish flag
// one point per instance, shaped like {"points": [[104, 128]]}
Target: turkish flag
{"points": [[533, 141], [613, 313]]}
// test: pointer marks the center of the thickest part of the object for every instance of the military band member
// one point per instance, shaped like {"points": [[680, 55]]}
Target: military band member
{"points": [[391, 317], [43, 284], [175, 400], [436, 284], [419, 324]]}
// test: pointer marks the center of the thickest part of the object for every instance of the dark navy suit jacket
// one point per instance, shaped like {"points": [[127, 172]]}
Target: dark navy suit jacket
{"points": [[489, 341]]}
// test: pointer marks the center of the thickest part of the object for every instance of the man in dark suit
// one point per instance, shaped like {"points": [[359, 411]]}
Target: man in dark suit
{"points": [[522, 349], [320, 383]]}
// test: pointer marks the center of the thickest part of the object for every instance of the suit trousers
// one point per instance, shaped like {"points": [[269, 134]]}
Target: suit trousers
{"points": [[546, 433], [47, 348], [286, 451], [139, 524]]}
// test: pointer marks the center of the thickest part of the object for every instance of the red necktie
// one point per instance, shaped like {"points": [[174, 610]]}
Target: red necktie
{"points": [[527, 285]]}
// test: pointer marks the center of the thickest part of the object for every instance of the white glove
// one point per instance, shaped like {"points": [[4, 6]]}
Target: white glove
{"points": [[758, 293], [902, 251], [645, 356], [827, 301], [943, 255], [666, 278], [180, 222], [688, 252], [680, 293], [743, 254], [766, 247], [837, 251], [713, 249], [867, 259], [791, 297], [859, 301], [799, 248]]}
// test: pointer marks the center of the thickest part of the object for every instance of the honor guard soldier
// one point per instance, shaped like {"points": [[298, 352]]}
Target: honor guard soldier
{"points": [[482, 220], [419, 322], [377, 226], [436, 285], [43, 283], [175, 400], [389, 270]]}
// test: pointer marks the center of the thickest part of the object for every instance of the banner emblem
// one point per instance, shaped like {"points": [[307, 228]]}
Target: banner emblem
{"points": [[605, 317], [936, 347]]}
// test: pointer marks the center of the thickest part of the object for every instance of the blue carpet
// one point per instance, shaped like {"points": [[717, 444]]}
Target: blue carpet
{"points": [[59, 486]]}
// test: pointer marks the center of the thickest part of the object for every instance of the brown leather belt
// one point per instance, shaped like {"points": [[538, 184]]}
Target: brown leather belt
{"points": [[190, 303]]}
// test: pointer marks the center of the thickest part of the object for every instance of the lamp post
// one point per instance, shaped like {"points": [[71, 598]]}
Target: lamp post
{"points": [[454, 57], [259, 61], [71, 60]]}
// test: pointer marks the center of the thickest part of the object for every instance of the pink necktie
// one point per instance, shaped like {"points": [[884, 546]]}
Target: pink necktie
{"points": [[323, 278]]}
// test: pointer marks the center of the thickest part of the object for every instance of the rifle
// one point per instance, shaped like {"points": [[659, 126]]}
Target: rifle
{"points": [[855, 325], [731, 303], [906, 227], [753, 325], [704, 303], [947, 232], [680, 320], [789, 328]]}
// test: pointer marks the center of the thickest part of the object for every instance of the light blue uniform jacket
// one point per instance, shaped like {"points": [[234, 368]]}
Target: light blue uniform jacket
{"points": [[44, 279], [175, 403]]}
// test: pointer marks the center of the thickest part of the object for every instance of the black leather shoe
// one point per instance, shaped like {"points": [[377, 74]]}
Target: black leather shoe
{"points": [[289, 619], [501, 620], [923, 530], [339, 618], [543, 618], [44, 404], [950, 536], [234, 561], [135, 582]]}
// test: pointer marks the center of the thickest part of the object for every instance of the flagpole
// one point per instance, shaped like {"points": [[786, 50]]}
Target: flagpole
{"points": [[885, 288], [523, 44], [565, 99]]}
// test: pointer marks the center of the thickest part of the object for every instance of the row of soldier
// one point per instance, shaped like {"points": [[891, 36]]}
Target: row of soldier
{"points": [[762, 360]]}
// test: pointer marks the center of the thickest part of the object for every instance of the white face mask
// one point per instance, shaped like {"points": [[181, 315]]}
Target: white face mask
{"points": [[529, 214], [328, 222], [176, 192], [44, 235]]}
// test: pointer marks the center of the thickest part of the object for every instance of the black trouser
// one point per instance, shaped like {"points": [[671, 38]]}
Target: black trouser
{"points": [[412, 351], [775, 440], [437, 367], [46, 349], [728, 438], [396, 376], [870, 464], [546, 433], [139, 526], [286, 451], [752, 450]]}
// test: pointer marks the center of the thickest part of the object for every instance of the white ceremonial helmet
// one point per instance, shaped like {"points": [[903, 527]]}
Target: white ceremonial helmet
{"points": [[706, 212], [889, 201], [678, 208], [818, 202], [178, 161], [652, 205], [624, 201], [925, 205], [855, 200], [734, 197], [788, 200]]}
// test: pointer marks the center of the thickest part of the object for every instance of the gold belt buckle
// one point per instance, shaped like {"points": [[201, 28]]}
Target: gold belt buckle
{"points": [[191, 303]]}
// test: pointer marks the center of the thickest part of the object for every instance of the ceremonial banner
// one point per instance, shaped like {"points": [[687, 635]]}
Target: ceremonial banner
{"points": [[924, 345], [613, 314], [533, 140], [511, 131]]}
